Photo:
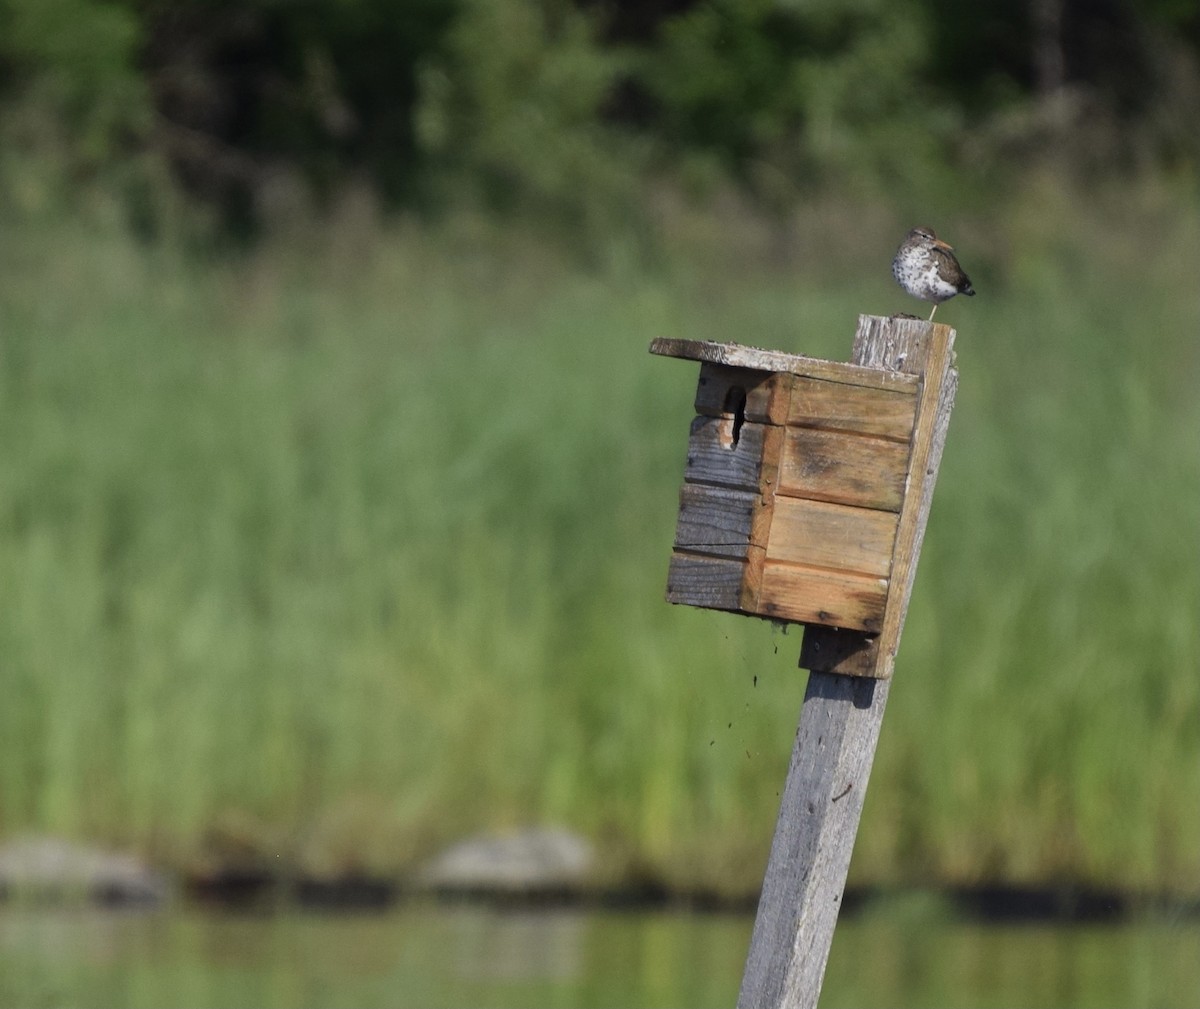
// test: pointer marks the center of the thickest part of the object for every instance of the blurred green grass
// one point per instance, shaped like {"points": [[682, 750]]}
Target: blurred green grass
{"points": [[334, 551]]}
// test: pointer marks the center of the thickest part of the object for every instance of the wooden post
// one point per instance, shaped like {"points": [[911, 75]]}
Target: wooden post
{"points": [[843, 707]]}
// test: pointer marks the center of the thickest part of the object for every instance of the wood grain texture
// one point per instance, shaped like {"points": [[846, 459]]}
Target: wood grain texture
{"points": [[837, 736], [935, 403], [712, 582], [737, 355], [887, 413], [750, 599], [722, 454], [902, 343], [764, 395], [822, 596], [716, 520], [810, 853], [844, 468], [832, 536]]}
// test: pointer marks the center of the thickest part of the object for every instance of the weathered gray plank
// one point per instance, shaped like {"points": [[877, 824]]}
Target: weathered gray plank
{"points": [[810, 854], [711, 582], [715, 520], [740, 356], [835, 745], [723, 454]]}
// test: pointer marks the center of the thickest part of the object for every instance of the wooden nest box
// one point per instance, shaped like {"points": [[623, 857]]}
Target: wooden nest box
{"points": [[804, 494]]}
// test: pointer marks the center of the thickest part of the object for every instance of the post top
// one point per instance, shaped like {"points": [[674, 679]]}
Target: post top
{"points": [[736, 355]]}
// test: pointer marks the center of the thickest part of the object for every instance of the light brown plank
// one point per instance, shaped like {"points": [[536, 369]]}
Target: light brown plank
{"points": [[739, 356], [828, 650], [820, 596], [711, 582], [846, 468], [752, 580], [832, 536], [763, 394], [831, 405], [772, 458]]}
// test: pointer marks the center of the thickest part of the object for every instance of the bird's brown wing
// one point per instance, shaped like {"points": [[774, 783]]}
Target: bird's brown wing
{"points": [[948, 267]]}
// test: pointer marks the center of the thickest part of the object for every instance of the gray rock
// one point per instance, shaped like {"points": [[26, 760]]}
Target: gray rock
{"points": [[530, 861], [51, 869]]}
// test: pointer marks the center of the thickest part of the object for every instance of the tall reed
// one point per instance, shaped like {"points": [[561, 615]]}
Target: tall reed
{"points": [[338, 550]]}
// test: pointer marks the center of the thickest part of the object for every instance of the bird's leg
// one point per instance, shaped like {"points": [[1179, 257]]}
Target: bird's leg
{"points": [[934, 310]]}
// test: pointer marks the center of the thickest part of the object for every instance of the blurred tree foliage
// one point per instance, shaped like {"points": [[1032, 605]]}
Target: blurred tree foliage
{"points": [[569, 105]]}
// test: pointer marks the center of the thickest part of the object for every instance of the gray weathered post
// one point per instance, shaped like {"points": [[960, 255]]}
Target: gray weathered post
{"points": [[805, 499], [843, 712]]}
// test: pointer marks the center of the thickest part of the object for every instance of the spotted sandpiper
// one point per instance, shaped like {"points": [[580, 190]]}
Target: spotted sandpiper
{"points": [[926, 268]]}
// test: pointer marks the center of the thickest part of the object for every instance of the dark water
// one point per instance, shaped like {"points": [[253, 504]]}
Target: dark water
{"points": [[436, 955]]}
